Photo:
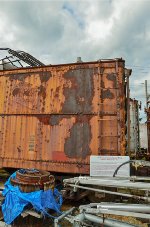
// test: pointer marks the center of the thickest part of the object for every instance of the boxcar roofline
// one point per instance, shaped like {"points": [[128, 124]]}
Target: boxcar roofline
{"points": [[66, 64]]}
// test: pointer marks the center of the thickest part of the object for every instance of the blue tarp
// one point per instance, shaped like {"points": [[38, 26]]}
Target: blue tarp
{"points": [[15, 201]]}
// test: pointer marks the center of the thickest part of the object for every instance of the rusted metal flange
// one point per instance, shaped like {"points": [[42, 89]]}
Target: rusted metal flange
{"points": [[30, 180]]}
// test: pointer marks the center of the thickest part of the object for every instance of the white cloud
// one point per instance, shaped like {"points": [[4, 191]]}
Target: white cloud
{"points": [[59, 31]]}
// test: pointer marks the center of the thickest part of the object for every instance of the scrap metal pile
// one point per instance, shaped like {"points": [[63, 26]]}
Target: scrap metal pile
{"points": [[135, 189], [129, 198], [94, 214]]}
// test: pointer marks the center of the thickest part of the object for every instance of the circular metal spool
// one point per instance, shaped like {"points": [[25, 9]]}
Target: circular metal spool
{"points": [[30, 180]]}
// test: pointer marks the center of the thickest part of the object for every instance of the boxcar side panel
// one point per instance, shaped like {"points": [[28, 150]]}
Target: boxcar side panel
{"points": [[53, 118]]}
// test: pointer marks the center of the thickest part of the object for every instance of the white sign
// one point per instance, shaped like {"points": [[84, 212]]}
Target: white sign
{"points": [[106, 165]]}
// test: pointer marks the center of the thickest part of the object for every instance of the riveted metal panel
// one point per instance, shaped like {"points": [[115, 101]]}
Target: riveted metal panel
{"points": [[54, 117]]}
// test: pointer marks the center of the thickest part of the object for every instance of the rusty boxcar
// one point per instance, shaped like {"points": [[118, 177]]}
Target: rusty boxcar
{"points": [[54, 117]]}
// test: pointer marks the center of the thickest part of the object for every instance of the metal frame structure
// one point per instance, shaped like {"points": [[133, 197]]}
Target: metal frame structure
{"points": [[98, 184], [21, 57]]}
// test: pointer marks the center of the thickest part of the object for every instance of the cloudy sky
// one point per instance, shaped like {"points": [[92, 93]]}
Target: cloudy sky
{"points": [[59, 31]]}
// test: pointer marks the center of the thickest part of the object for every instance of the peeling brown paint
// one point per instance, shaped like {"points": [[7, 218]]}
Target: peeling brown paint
{"points": [[107, 94], [55, 119], [112, 77], [18, 76], [77, 145], [82, 127], [79, 97], [51, 120], [44, 119], [42, 91], [16, 91], [45, 76]]}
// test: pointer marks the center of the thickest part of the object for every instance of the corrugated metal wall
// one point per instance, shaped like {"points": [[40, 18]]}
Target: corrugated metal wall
{"points": [[54, 117], [143, 136], [134, 127]]}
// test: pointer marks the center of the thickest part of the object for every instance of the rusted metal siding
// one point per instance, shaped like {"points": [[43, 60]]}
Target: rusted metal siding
{"points": [[134, 127], [148, 129], [54, 117], [143, 136]]}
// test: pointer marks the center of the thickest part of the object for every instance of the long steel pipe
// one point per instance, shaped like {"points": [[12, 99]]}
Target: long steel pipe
{"points": [[147, 199], [99, 220], [142, 208], [130, 207], [108, 182], [56, 220]]}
